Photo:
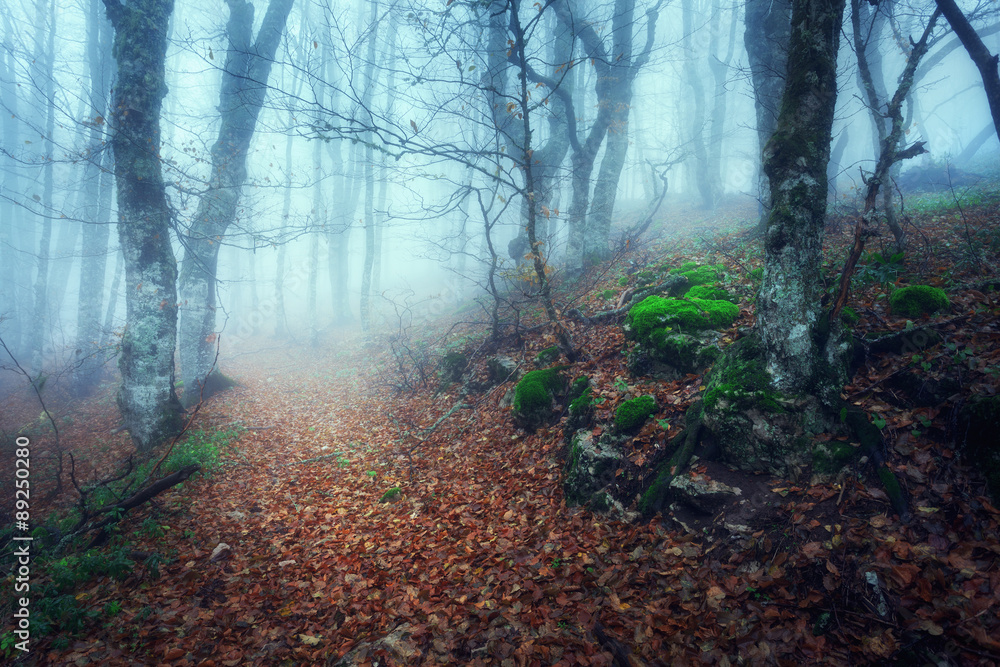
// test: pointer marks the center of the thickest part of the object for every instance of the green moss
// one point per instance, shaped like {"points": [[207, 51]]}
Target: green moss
{"points": [[599, 502], [742, 380], [623, 281], [708, 292], [757, 273], [452, 366], [534, 393], [646, 277], [655, 312], [608, 294], [830, 457], [700, 275], [548, 355], [849, 316], [633, 413], [686, 353], [391, 495], [891, 485], [918, 300]]}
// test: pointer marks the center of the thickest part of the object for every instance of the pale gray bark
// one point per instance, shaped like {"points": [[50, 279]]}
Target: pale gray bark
{"points": [[795, 161], [244, 86], [147, 401]]}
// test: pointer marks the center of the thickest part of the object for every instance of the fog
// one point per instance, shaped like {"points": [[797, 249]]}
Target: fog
{"points": [[394, 95]]}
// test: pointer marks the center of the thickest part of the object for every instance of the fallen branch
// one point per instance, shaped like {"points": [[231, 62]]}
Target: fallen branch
{"points": [[669, 284], [138, 498]]}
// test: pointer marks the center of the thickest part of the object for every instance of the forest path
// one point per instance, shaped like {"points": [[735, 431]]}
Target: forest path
{"points": [[479, 555]]}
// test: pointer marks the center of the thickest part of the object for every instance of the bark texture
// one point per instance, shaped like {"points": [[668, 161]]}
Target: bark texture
{"points": [[778, 385], [148, 404], [795, 160]]}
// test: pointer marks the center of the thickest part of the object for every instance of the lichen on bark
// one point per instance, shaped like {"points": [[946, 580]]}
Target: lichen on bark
{"points": [[146, 399]]}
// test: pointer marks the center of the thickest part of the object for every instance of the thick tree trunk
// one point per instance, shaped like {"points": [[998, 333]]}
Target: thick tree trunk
{"points": [[768, 24], [147, 401], [244, 85], [779, 384]]}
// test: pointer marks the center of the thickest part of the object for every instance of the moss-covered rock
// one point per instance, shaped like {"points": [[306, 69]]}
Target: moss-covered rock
{"points": [[534, 395], [757, 429], [656, 312], [741, 380], [500, 368], [700, 275], [581, 406], [633, 413], [710, 293], [548, 355], [392, 495], [590, 467], [452, 366], [917, 300]]}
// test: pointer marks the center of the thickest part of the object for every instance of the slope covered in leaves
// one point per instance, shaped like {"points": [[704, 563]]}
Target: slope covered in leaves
{"points": [[478, 560]]}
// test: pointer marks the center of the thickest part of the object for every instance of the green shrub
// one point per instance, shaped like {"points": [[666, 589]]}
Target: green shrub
{"points": [[917, 300], [633, 413], [849, 316]]}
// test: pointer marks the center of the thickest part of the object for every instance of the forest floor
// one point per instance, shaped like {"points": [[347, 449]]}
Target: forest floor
{"points": [[477, 559]]}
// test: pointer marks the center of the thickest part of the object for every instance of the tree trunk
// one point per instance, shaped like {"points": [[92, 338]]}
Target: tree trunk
{"points": [[44, 61], [10, 192], [768, 25], [147, 401], [784, 378], [244, 85], [981, 56]]}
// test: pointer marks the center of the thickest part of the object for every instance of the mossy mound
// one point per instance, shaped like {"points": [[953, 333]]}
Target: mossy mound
{"points": [[633, 413], [452, 367], [741, 380], [656, 312], [700, 275], [917, 300], [682, 352], [708, 292], [534, 394], [548, 355]]}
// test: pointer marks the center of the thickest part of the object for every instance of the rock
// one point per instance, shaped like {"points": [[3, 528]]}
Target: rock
{"points": [[590, 469], [701, 493], [501, 369], [398, 646], [222, 550]]}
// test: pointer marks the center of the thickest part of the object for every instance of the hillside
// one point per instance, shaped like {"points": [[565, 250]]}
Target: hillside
{"points": [[373, 513]]}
